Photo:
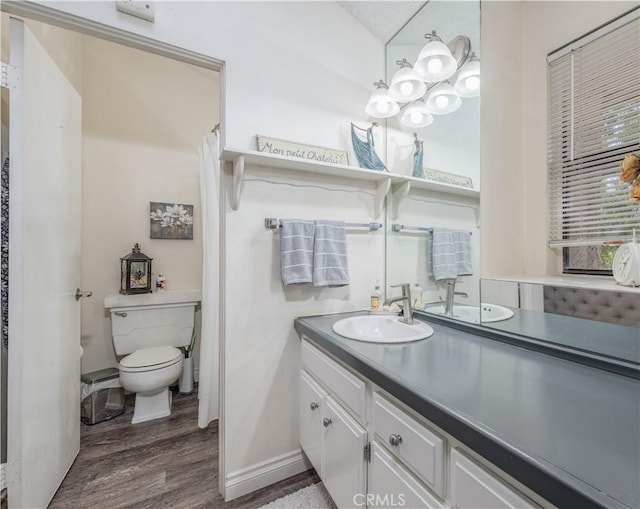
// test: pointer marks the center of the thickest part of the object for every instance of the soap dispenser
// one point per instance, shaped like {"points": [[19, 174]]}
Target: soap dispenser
{"points": [[375, 297]]}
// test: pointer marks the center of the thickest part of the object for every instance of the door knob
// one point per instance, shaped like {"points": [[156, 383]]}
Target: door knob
{"points": [[395, 440], [80, 293], [326, 422], [314, 405]]}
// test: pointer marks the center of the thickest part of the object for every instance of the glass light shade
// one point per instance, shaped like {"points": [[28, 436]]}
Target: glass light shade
{"points": [[443, 99], [416, 115], [435, 62], [406, 85], [381, 105], [468, 80]]}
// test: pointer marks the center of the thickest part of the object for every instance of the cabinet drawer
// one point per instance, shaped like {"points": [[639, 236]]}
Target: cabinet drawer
{"points": [[473, 487], [346, 386], [391, 485], [418, 447]]}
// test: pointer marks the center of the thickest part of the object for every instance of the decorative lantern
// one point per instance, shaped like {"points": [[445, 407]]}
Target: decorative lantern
{"points": [[135, 272]]}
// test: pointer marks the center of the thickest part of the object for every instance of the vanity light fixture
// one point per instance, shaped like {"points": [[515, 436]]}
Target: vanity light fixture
{"points": [[416, 114], [435, 61], [381, 104], [468, 79], [406, 85], [443, 99], [429, 74]]}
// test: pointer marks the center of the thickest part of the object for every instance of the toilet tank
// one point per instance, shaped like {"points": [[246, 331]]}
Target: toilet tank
{"points": [[137, 327]]}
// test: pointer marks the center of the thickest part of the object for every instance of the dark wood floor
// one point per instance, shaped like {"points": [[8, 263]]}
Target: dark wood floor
{"points": [[165, 463]]}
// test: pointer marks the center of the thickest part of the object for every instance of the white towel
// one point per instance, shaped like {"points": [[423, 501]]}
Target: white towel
{"points": [[330, 264], [296, 251], [451, 254]]}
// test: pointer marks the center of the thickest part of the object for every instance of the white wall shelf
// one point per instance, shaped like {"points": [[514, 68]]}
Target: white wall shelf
{"points": [[383, 179]]}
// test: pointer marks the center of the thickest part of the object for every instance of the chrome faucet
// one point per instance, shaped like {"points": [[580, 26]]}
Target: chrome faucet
{"points": [[407, 309], [451, 292]]}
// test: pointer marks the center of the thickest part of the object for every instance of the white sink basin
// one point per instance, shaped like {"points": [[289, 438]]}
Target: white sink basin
{"points": [[381, 329], [490, 312]]}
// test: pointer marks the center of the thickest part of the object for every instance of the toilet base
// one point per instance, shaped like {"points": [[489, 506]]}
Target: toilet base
{"points": [[152, 405]]}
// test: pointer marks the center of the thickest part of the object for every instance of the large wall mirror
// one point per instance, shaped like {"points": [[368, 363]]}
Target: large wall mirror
{"points": [[598, 321], [450, 154]]}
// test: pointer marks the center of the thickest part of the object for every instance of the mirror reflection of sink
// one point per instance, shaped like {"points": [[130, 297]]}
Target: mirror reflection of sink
{"points": [[381, 329], [468, 313]]}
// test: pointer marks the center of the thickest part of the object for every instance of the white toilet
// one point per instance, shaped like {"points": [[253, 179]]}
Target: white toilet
{"points": [[149, 335]]}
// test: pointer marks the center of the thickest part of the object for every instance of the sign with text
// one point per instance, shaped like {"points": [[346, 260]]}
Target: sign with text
{"points": [[448, 178], [308, 152]]}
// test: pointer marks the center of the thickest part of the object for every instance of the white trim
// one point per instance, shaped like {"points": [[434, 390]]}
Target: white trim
{"points": [[586, 282], [263, 474], [596, 34]]}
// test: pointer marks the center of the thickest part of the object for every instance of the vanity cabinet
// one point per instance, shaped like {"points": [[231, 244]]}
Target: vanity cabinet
{"points": [[370, 450], [333, 438], [473, 487]]}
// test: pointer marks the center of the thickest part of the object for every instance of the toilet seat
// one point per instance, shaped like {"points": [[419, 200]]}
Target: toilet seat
{"points": [[151, 359]]}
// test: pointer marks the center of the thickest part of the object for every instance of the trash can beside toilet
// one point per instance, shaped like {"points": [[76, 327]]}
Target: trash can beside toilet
{"points": [[101, 396]]}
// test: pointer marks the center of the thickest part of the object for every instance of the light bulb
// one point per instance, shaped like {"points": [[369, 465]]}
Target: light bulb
{"points": [[472, 82], [416, 117], [442, 101], [434, 65], [382, 107], [406, 88]]}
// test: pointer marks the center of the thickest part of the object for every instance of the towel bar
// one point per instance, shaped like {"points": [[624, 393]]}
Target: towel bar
{"points": [[273, 223], [396, 227]]}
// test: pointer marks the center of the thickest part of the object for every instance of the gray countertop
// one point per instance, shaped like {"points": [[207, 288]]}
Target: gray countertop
{"points": [[568, 431]]}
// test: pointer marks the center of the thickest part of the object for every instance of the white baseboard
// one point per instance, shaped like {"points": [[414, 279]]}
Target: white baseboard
{"points": [[263, 474]]}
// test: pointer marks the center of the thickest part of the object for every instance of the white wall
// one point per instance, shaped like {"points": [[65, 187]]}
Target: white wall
{"points": [[262, 347], [501, 119], [294, 70], [141, 127], [300, 71], [516, 38]]}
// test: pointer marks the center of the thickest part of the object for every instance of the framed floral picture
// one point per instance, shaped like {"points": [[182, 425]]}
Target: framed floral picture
{"points": [[171, 221]]}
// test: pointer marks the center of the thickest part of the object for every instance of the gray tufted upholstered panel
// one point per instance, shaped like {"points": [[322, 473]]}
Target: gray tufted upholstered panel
{"points": [[622, 308]]}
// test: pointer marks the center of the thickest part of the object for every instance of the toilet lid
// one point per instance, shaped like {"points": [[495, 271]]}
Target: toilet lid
{"points": [[151, 357]]}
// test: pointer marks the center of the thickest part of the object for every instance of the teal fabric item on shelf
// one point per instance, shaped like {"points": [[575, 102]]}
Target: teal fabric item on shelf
{"points": [[365, 150]]}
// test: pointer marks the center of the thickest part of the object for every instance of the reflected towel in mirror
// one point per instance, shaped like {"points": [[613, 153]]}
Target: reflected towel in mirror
{"points": [[451, 253]]}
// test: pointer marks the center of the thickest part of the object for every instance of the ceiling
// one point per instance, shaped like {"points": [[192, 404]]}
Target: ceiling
{"points": [[383, 19]]}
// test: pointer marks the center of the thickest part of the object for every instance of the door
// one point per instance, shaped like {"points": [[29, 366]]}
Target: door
{"points": [[311, 409], [344, 463], [43, 421]]}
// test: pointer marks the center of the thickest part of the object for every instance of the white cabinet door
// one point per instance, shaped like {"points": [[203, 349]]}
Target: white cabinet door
{"points": [[473, 487], [312, 404], [43, 416], [344, 464], [391, 485]]}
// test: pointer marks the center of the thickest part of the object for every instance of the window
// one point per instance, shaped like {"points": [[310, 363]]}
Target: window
{"points": [[593, 122]]}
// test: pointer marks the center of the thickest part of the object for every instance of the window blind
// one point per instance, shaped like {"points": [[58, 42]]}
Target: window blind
{"points": [[593, 122]]}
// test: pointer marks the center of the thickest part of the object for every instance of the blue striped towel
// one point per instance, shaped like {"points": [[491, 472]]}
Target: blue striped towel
{"points": [[451, 251], [330, 264], [296, 251]]}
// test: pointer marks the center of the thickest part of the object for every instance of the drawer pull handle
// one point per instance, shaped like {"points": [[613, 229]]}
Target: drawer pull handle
{"points": [[326, 422], [120, 313], [314, 405], [395, 440]]}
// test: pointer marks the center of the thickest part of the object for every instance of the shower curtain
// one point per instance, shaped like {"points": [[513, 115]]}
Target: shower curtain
{"points": [[210, 333]]}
